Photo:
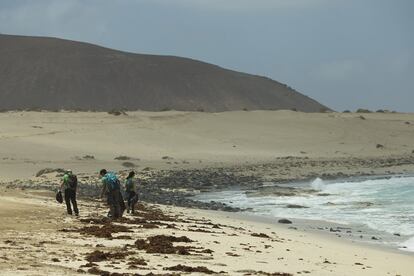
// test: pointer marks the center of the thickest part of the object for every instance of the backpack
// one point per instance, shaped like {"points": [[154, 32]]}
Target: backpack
{"points": [[129, 185], [59, 197], [72, 181], [112, 181]]}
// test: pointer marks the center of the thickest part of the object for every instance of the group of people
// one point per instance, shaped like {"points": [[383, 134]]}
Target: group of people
{"points": [[111, 191]]}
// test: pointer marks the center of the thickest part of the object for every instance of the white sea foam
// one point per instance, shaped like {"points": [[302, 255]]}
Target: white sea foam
{"points": [[408, 245], [385, 204], [318, 184]]}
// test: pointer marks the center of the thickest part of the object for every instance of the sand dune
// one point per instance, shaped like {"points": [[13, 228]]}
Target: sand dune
{"points": [[30, 141]]}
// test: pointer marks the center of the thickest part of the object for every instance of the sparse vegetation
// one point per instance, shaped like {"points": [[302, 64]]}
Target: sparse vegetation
{"points": [[117, 112], [362, 110], [128, 165], [122, 157], [88, 157]]}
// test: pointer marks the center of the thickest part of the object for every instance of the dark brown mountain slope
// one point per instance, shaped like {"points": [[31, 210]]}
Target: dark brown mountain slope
{"points": [[50, 73]]}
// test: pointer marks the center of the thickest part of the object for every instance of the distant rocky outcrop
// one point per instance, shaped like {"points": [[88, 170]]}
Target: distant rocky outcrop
{"points": [[52, 74]]}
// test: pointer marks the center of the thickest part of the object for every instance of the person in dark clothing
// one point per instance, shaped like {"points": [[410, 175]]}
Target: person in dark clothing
{"points": [[111, 190], [69, 187], [131, 192]]}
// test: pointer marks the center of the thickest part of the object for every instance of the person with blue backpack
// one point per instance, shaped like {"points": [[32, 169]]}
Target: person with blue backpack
{"points": [[111, 188]]}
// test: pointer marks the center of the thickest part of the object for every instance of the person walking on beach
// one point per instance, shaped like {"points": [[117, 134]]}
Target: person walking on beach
{"points": [[111, 189], [131, 192], [69, 187]]}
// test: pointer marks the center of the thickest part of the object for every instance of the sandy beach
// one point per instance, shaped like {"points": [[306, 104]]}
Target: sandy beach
{"points": [[38, 238]]}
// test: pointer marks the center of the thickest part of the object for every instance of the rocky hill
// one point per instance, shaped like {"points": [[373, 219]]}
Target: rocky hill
{"points": [[53, 74]]}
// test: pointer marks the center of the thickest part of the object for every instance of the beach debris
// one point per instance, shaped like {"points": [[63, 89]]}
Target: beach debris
{"points": [[167, 158], [99, 256], [105, 231], [284, 221], [163, 244], [379, 146], [254, 272], [184, 268], [260, 235], [362, 117]]}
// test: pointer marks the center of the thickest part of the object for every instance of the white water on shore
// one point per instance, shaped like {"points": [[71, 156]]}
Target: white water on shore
{"points": [[385, 204]]}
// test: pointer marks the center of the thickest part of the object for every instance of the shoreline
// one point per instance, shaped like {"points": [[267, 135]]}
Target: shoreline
{"points": [[236, 244], [312, 225]]}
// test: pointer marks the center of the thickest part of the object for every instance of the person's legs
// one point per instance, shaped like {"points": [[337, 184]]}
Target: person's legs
{"points": [[134, 199], [67, 201], [122, 206], [110, 201], [74, 203], [129, 201], [115, 203]]}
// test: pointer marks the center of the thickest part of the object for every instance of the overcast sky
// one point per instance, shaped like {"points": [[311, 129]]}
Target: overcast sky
{"points": [[344, 53]]}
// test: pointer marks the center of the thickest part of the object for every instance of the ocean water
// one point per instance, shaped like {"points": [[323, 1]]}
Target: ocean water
{"points": [[382, 204]]}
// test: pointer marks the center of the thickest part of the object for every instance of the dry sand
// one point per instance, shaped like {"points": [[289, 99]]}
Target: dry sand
{"points": [[30, 141], [29, 223]]}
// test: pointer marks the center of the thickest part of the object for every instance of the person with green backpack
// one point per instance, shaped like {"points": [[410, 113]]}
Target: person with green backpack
{"points": [[69, 187], [131, 192], [111, 188]]}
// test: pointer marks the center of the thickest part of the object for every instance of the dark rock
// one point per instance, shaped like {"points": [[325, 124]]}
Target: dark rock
{"points": [[284, 221], [295, 206]]}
